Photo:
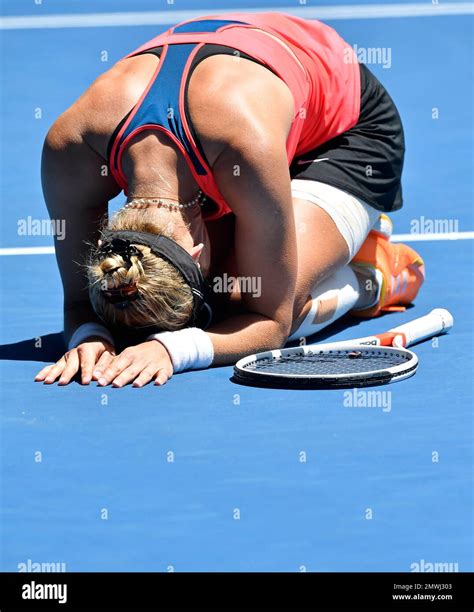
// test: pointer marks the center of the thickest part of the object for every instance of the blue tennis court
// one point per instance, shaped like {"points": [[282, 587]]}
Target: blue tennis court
{"points": [[203, 474]]}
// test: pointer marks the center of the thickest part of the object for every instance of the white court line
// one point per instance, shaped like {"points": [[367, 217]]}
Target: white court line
{"points": [[49, 250], [431, 237], [46, 250], [171, 17]]}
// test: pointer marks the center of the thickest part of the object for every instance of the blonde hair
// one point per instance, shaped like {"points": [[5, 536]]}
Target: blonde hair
{"points": [[165, 299]]}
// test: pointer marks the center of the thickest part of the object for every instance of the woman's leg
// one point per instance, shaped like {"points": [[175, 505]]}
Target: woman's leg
{"points": [[331, 227]]}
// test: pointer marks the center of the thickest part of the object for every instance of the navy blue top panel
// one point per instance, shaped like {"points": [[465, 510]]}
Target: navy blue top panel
{"points": [[206, 25], [160, 106]]}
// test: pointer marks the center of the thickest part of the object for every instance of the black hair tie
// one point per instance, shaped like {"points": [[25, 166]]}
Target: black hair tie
{"points": [[121, 297], [122, 247]]}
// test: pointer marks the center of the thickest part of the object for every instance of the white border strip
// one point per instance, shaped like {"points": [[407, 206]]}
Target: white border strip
{"points": [[171, 17], [451, 236]]}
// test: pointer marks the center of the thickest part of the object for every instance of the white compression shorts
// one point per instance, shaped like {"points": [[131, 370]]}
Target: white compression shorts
{"points": [[353, 217]]}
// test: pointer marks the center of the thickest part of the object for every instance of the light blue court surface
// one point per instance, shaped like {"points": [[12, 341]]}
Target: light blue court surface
{"points": [[204, 474]]}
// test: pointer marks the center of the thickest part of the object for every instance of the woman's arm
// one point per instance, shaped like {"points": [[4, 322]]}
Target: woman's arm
{"points": [[252, 175], [77, 189], [243, 130]]}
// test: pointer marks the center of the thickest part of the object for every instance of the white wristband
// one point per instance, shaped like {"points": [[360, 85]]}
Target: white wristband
{"points": [[189, 349], [87, 330]]}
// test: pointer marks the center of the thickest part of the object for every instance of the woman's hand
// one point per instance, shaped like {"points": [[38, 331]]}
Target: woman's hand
{"points": [[95, 354], [138, 364]]}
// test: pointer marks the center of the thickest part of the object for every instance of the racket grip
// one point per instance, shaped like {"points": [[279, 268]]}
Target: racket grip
{"points": [[438, 321]]}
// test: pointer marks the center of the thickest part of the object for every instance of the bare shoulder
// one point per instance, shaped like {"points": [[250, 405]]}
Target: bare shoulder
{"points": [[94, 116], [232, 100]]}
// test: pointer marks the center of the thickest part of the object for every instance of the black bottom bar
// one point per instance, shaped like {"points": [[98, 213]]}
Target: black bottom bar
{"points": [[387, 591]]}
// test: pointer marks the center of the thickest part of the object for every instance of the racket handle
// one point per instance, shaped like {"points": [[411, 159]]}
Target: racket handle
{"points": [[436, 322]]}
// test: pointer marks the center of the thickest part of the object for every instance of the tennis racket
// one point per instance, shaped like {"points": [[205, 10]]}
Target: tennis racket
{"points": [[373, 360]]}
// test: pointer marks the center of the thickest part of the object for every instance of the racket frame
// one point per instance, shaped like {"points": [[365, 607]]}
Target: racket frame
{"points": [[362, 379]]}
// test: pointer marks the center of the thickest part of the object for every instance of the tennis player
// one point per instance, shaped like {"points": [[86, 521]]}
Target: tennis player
{"points": [[250, 147]]}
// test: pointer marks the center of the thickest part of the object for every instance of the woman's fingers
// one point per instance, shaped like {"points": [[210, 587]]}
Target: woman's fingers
{"points": [[83, 358], [50, 373], [145, 376], [44, 372], [164, 375], [87, 359], [115, 368], [104, 362], [138, 365], [128, 375], [133, 366], [71, 367], [141, 375], [54, 371]]}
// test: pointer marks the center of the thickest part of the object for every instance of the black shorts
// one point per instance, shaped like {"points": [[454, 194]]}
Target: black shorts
{"points": [[367, 160]]}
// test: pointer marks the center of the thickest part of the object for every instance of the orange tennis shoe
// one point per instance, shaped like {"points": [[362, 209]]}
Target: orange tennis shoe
{"points": [[398, 270]]}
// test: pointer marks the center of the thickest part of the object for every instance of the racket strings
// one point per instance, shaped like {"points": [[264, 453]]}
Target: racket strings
{"points": [[327, 363]]}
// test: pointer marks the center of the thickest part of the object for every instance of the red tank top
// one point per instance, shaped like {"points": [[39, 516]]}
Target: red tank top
{"points": [[317, 65]]}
